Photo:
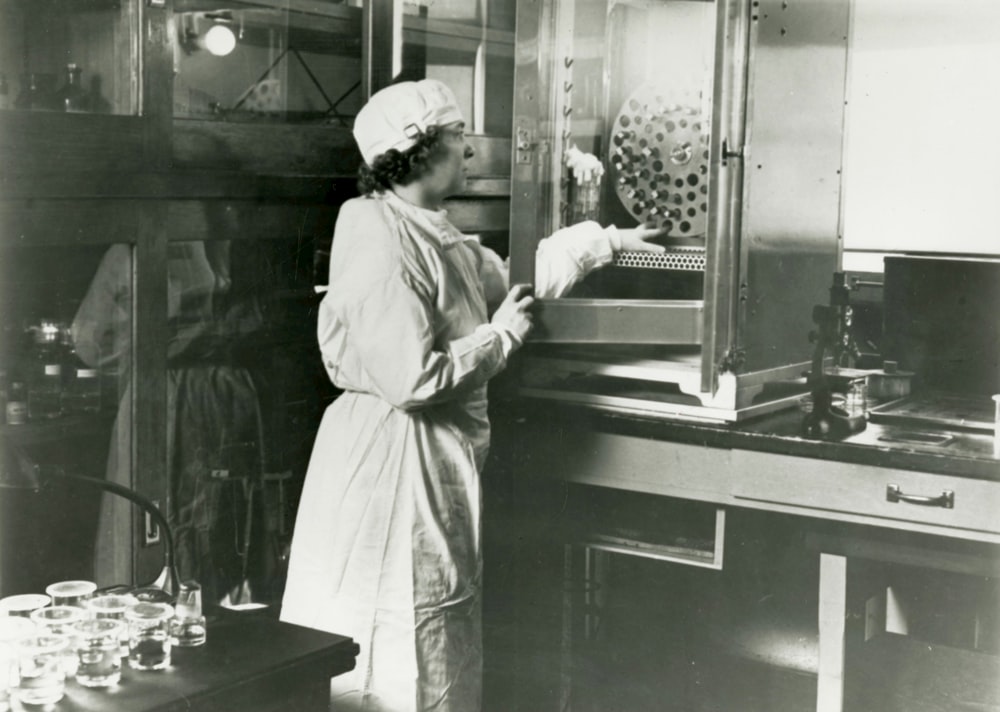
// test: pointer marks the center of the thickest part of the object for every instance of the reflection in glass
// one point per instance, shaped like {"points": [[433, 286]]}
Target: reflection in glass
{"points": [[260, 61], [224, 318], [60, 407], [471, 52], [67, 56]]}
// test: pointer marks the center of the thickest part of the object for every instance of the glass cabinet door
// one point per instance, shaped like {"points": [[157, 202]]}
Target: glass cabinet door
{"points": [[242, 395], [468, 45], [692, 117], [65, 375], [267, 61], [619, 131], [77, 57]]}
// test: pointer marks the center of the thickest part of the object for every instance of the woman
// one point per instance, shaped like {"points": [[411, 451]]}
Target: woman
{"points": [[386, 546]]}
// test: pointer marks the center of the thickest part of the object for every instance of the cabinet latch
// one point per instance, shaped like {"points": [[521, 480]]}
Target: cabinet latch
{"points": [[733, 360], [729, 152], [524, 145]]}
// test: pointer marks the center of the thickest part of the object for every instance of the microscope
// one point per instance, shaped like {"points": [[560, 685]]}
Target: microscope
{"points": [[838, 394]]}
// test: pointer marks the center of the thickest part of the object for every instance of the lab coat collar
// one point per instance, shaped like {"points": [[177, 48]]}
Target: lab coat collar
{"points": [[434, 223]]}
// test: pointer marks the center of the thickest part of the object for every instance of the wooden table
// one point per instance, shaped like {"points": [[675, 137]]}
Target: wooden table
{"points": [[250, 663]]}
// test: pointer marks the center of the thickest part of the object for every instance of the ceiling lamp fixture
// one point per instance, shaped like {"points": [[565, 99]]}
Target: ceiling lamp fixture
{"points": [[220, 40]]}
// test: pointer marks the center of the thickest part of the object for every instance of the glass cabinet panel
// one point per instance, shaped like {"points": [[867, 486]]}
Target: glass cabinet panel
{"points": [[240, 405], [468, 45], [65, 356], [267, 61], [631, 128], [686, 116], [60, 55]]}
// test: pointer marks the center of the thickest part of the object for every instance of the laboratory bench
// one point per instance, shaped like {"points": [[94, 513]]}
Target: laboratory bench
{"points": [[250, 662], [880, 508]]}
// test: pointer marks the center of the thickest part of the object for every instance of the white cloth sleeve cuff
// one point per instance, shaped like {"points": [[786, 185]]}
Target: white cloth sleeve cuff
{"points": [[509, 342], [614, 237]]}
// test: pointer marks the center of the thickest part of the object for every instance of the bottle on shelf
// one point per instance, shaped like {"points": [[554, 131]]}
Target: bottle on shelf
{"points": [[25, 95], [37, 92], [17, 403], [45, 372], [72, 97], [5, 98], [4, 394], [82, 394]]}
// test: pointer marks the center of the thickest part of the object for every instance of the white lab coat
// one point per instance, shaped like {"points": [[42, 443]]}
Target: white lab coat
{"points": [[386, 547]]}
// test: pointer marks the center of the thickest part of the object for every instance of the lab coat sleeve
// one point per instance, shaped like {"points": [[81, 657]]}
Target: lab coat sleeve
{"points": [[570, 254], [389, 318], [101, 328], [562, 260]]}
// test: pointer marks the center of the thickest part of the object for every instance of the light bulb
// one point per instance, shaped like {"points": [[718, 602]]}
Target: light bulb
{"points": [[220, 40]]}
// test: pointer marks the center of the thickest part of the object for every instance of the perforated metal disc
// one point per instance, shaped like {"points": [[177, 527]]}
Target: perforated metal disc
{"points": [[659, 159]]}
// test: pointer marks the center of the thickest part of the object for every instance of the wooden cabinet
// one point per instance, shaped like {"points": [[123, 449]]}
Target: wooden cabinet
{"points": [[183, 214]]}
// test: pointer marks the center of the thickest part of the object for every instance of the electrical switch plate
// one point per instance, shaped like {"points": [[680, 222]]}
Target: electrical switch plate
{"points": [[151, 529]]}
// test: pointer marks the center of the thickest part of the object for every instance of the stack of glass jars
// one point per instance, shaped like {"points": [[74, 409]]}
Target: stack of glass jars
{"points": [[74, 632]]}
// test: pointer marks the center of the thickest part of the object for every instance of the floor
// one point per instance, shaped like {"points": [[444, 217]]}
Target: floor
{"points": [[674, 638]]}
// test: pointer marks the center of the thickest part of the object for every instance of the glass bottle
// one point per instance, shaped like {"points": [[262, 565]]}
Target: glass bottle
{"points": [[5, 98], [45, 377], [71, 96], [83, 392], [37, 92], [4, 394], [187, 628], [17, 403], [26, 93]]}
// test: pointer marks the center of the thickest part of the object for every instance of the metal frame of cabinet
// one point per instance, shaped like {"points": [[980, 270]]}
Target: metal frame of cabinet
{"points": [[772, 240]]}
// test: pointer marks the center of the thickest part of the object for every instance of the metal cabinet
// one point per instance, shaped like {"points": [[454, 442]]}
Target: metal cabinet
{"points": [[721, 122]]}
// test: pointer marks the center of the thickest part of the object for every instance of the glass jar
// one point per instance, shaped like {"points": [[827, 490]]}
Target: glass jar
{"points": [[187, 629], [83, 392], [856, 398], [21, 605], [98, 652], [45, 372], [149, 635], [5, 98], [59, 621], [113, 606], [4, 394], [71, 593], [41, 669], [17, 403]]}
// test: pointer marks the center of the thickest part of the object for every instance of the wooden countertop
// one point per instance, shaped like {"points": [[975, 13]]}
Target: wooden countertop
{"points": [[250, 662]]}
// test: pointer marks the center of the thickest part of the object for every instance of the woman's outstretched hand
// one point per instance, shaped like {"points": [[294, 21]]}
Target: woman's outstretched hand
{"points": [[514, 313], [635, 239]]}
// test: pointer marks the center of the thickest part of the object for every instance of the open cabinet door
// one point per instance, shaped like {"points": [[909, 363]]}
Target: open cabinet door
{"points": [[661, 94]]}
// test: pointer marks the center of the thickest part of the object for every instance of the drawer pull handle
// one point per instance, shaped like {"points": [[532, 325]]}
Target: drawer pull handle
{"points": [[946, 499]]}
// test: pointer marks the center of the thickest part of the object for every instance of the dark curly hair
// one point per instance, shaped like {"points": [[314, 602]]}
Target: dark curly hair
{"points": [[400, 167]]}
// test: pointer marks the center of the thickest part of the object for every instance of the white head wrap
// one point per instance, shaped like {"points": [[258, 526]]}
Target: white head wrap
{"points": [[396, 116]]}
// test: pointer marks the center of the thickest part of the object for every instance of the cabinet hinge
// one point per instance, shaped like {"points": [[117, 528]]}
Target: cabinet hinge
{"points": [[733, 361]]}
